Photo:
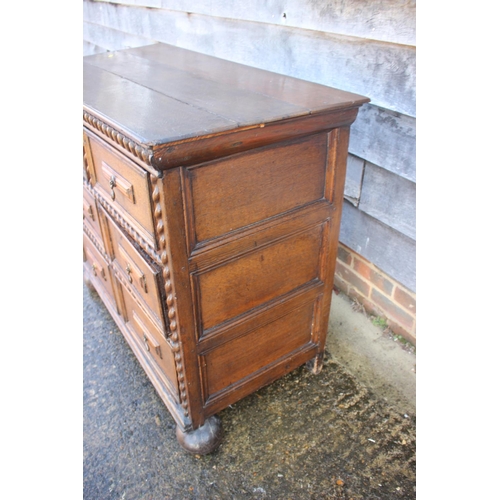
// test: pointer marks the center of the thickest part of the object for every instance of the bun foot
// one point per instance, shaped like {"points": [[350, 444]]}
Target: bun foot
{"points": [[203, 440]]}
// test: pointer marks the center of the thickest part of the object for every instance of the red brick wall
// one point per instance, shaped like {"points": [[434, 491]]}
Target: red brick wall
{"points": [[379, 294]]}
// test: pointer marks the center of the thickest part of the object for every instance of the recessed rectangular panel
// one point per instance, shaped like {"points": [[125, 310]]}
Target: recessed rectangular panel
{"points": [[258, 277], [151, 339], [140, 274], [124, 186], [231, 194], [90, 214], [231, 362], [97, 265]]}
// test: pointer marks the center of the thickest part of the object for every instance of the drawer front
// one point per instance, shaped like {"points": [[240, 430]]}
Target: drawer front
{"points": [[151, 340], [90, 214], [97, 266], [88, 168], [140, 274], [125, 186]]}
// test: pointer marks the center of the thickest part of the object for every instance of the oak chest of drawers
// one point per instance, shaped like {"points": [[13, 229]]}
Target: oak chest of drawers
{"points": [[212, 198]]}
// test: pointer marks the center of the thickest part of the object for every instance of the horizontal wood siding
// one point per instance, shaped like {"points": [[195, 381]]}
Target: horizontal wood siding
{"points": [[385, 20], [354, 178], [385, 71], [390, 199], [107, 39], [386, 139], [363, 46], [387, 248], [90, 48]]}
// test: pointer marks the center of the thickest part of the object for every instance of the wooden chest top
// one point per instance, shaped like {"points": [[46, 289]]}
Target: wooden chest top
{"points": [[160, 94]]}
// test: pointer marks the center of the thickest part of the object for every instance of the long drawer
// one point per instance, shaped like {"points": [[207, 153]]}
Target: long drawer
{"points": [[124, 186], [151, 339], [142, 276]]}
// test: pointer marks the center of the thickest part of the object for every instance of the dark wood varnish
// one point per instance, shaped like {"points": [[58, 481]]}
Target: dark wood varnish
{"points": [[211, 214], [290, 176]]}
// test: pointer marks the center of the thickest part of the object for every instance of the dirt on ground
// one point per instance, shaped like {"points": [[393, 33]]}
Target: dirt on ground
{"points": [[376, 357], [347, 433]]}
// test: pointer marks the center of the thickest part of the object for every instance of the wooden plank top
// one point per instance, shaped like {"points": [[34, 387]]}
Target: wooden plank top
{"points": [[160, 94]]}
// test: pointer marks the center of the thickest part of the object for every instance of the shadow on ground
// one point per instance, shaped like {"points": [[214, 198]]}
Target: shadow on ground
{"points": [[304, 437]]}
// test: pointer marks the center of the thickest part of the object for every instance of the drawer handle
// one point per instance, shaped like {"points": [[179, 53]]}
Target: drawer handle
{"points": [[96, 268], [145, 339], [157, 347], [146, 336], [128, 269], [142, 279], [87, 207], [117, 181], [132, 267], [112, 185]]}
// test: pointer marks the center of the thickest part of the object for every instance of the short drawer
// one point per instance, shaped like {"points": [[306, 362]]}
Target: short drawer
{"points": [[124, 185], [142, 276], [151, 340], [97, 266]]}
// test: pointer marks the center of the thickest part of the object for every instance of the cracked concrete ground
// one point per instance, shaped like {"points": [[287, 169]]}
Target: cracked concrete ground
{"points": [[347, 433]]}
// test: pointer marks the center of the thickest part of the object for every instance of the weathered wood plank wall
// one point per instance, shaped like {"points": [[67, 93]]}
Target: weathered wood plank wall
{"points": [[364, 46]]}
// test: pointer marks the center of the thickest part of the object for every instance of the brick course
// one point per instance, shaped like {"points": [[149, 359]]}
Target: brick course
{"points": [[392, 310], [352, 278], [378, 293], [344, 255], [405, 299], [373, 276]]}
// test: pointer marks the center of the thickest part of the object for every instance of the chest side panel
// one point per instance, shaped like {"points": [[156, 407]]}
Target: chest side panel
{"points": [[251, 187]]}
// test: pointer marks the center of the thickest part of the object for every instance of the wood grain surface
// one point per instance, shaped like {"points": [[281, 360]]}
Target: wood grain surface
{"points": [[218, 195]]}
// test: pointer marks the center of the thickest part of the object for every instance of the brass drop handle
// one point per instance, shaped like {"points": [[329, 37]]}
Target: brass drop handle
{"points": [[142, 278], [142, 281], [145, 339], [128, 269], [87, 207], [112, 185], [117, 181], [155, 345], [97, 267]]}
